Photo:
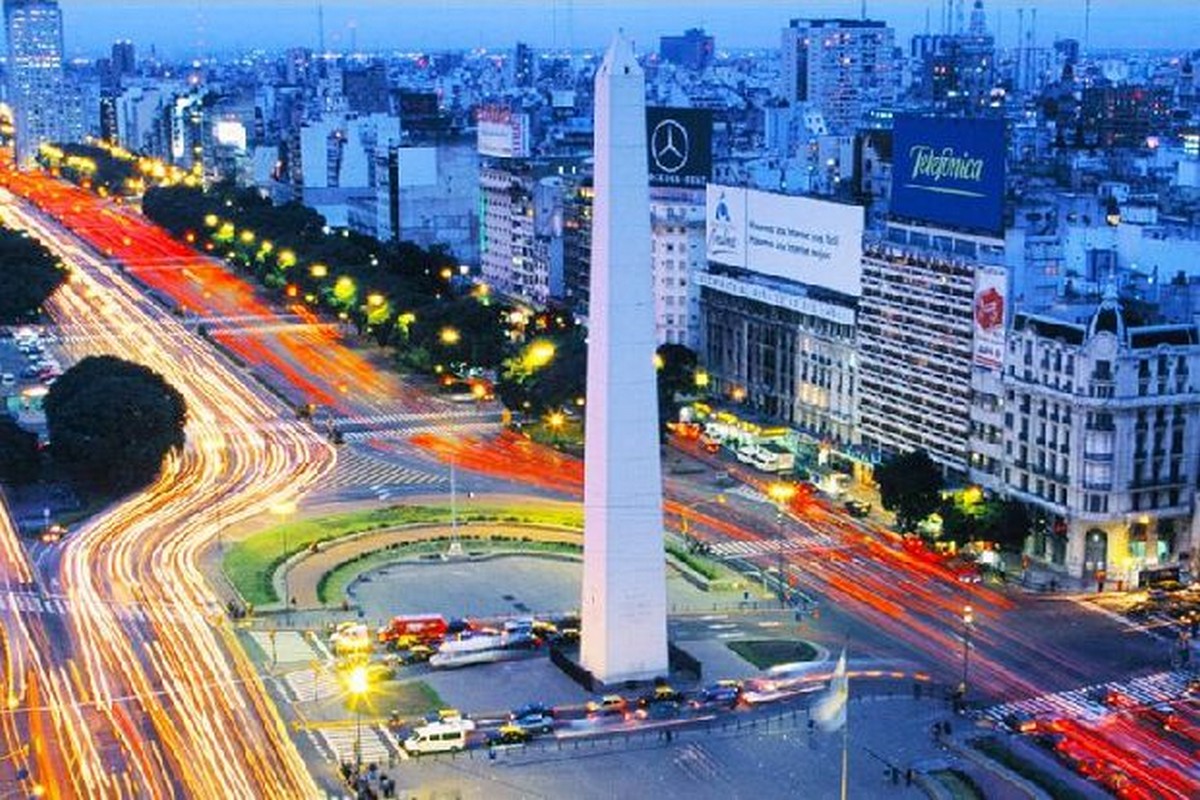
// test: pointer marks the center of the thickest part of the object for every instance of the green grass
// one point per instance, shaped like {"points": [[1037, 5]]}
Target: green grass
{"points": [[332, 586], [764, 653], [250, 563], [697, 564], [408, 699], [958, 784], [1031, 772]]}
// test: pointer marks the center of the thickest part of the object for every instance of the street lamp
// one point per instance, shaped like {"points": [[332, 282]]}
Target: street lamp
{"points": [[358, 684], [449, 336], [968, 619], [283, 510], [781, 493], [555, 421]]}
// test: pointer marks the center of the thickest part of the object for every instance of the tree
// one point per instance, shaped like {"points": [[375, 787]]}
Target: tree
{"points": [[18, 453], [29, 274], [910, 485], [676, 376], [112, 422], [1009, 525]]}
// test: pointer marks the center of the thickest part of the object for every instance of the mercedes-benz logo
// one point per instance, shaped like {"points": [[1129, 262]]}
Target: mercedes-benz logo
{"points": [[669, 146]]}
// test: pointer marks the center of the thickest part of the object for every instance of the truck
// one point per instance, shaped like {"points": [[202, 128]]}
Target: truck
{"points": [[406, 630]]}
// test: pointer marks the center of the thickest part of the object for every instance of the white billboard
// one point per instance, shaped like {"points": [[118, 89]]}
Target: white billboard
{"points": [[502, 133], [991, 292], [798, 238]]}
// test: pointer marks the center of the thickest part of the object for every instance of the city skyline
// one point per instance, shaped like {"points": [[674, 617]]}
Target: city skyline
{"points": [[211, 27]]}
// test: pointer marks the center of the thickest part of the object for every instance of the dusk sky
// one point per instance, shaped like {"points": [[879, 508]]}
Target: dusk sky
{"points": [[181, 28]]}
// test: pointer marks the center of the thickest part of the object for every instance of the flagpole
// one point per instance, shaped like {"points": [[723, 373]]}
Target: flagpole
{"points": [[846, 752], [846, 736]]}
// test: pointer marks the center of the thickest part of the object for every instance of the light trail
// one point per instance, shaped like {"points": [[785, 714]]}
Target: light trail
{"points": [[180, 710]]}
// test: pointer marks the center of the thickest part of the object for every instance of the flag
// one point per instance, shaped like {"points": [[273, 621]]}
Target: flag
{"points": [[829, 711]]}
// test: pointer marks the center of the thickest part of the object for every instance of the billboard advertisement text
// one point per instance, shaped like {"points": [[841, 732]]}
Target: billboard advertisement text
{"points": [[502, 133], [798, 238], [949, 172]]}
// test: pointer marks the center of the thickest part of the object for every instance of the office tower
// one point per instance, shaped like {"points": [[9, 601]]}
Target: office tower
{"points": [[524, 68], [124, 58], [841, 67], [624, 625], [693, 50], [35, 73]]}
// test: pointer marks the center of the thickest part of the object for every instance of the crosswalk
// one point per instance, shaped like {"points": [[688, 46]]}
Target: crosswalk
{"points": [[357, 469], [338, 744], [767, 547], [1087, 702], [60, 605], [442, 417], [313, 684], [287, 647], [409, 430], [695, 761]]}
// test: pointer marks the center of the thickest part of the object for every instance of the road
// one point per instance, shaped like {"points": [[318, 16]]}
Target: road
{"points": [[160, 703], [892, 602]]}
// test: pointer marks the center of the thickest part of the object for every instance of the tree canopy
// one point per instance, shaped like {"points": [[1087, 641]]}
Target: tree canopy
{"points": [[18, 453], [29, 274], [111, 423], [910, 486]]}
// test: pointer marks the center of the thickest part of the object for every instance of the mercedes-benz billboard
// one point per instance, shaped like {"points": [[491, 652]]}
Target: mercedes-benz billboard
{"points": [[679, 146]]}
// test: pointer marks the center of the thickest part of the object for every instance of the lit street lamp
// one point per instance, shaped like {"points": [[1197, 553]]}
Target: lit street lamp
{"points": [[968, 619], [781, 493], [555, 421], [358, 684]]}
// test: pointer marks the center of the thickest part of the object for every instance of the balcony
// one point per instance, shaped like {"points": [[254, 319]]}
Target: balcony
{"points": [[1101, 457]]}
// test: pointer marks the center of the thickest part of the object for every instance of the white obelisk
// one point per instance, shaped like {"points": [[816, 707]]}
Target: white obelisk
{"points": [[624, 617]]}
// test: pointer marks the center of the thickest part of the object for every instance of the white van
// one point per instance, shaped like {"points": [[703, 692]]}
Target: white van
{"points": [[439, 737]]}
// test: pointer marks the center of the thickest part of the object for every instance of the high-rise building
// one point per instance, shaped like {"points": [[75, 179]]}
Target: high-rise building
{"points": [[35, 73], [843, 67], [693, 50], [524, 66], [916, 339], [124, 58]]}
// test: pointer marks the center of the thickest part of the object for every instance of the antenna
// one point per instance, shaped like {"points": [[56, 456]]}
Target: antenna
{"points": [[1087, 23], [321, 27], [862, 12]]}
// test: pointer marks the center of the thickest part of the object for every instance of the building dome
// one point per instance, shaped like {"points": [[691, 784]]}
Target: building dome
{"points": [[1109, 316]]}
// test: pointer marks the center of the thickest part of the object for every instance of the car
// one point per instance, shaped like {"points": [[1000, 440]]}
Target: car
{"points": [[726, 694], [662, 694], [608, 705], [857, 508], [534, 723], [531, 709], [509, 733], [1021, 722], [417, 654], [7, 379], [446, 715]]}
